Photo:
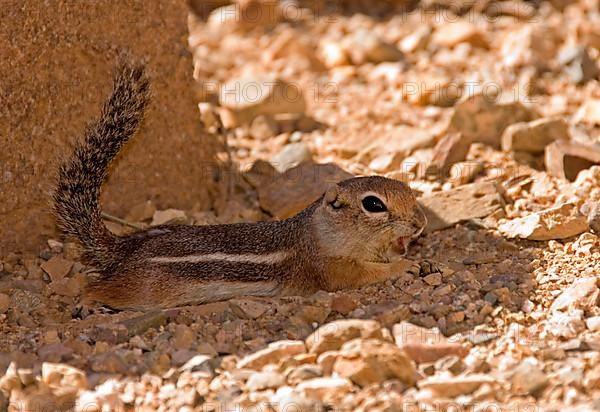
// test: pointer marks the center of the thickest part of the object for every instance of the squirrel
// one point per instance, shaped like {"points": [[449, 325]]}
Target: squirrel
{"points": [[355, 234]]}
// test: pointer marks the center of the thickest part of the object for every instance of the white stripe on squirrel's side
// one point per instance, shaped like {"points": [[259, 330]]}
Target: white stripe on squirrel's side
{"points": [[266, 259]]}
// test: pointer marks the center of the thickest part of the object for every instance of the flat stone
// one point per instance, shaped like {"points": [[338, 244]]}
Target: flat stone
{"points": [[287, 399], [247, 308], [425, 345], [57, 268], [589, 112], [263, 127], [398, 142], [582, 294], [259, 381], [4, 302], [333, 335], [533, 137], [566, 159], [169, 217], [453, 386], [371, 361], [453, 33], [565, 325], [140, 324], [451, 148], [292, 191], [577, 64], [364, 46], [261, 174], [555, 223], [141, 212], [447, 208], [593, 323], [528, 379], [327, 389], [291, 155], [61, 375], [272, 354], [340, 303], [480, 118], [248, 97]]}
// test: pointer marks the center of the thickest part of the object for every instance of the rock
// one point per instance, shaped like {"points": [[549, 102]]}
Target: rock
{"points": [[389, 312], [287, 399], [4, 303], [303, 373], [533, 137], [259, 381], [140, 324], [141, 212], [291, 155], [582, 294], [333, 335], [453, 33], [108, 363], [416, 40], [451, 148], [200, 363], [341, 303], [398, 143], [528, 378], [533, 45], [593, 323], [555, 223], [263, 127], [462, 173], [566, 159], [245, 98], [453, 364], [592, 212], [481, 119], [425, 345], [329, 390], [183, 337], [453, 386], [245, 15], [61, 375], [169, 217], [366, 47], [333, 54], [577, 64], [261, 174], [373, 361], [434, 90], [589, 112], [434, 279], [447, 208], [247, 308], [57, 267], [565, 325], [272, 354], [298, 187], [10, 380]]}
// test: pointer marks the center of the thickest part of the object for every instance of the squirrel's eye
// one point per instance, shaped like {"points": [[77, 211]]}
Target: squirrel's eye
{"points": [[373, 204]]}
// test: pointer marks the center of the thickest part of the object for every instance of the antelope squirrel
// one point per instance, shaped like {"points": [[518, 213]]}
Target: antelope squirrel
{"points": [[353, 235]]}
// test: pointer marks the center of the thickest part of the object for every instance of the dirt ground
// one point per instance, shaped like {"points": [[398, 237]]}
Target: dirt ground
{"points": [[511, 321]]}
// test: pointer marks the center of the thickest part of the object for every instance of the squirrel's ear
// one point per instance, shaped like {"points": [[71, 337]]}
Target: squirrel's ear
{"points": [[331, 197]]}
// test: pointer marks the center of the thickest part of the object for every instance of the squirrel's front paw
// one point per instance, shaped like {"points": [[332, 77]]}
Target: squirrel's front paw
{"points": [[424, 268]]}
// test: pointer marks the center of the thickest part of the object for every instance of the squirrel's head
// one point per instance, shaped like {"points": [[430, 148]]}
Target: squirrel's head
{"points": [[369, 218]]}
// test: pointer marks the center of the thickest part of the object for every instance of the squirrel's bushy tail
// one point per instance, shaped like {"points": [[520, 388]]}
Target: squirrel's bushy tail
{"points": [[76, 198]]}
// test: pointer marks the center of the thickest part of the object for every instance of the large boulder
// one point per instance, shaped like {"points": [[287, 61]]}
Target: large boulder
{"points": [[57, 68]]}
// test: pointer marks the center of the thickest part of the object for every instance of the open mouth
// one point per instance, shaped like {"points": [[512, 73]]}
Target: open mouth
{"points": [[400, 245]]}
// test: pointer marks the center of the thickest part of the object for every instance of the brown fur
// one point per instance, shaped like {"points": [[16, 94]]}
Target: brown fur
{"points": [[334, 243]]}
